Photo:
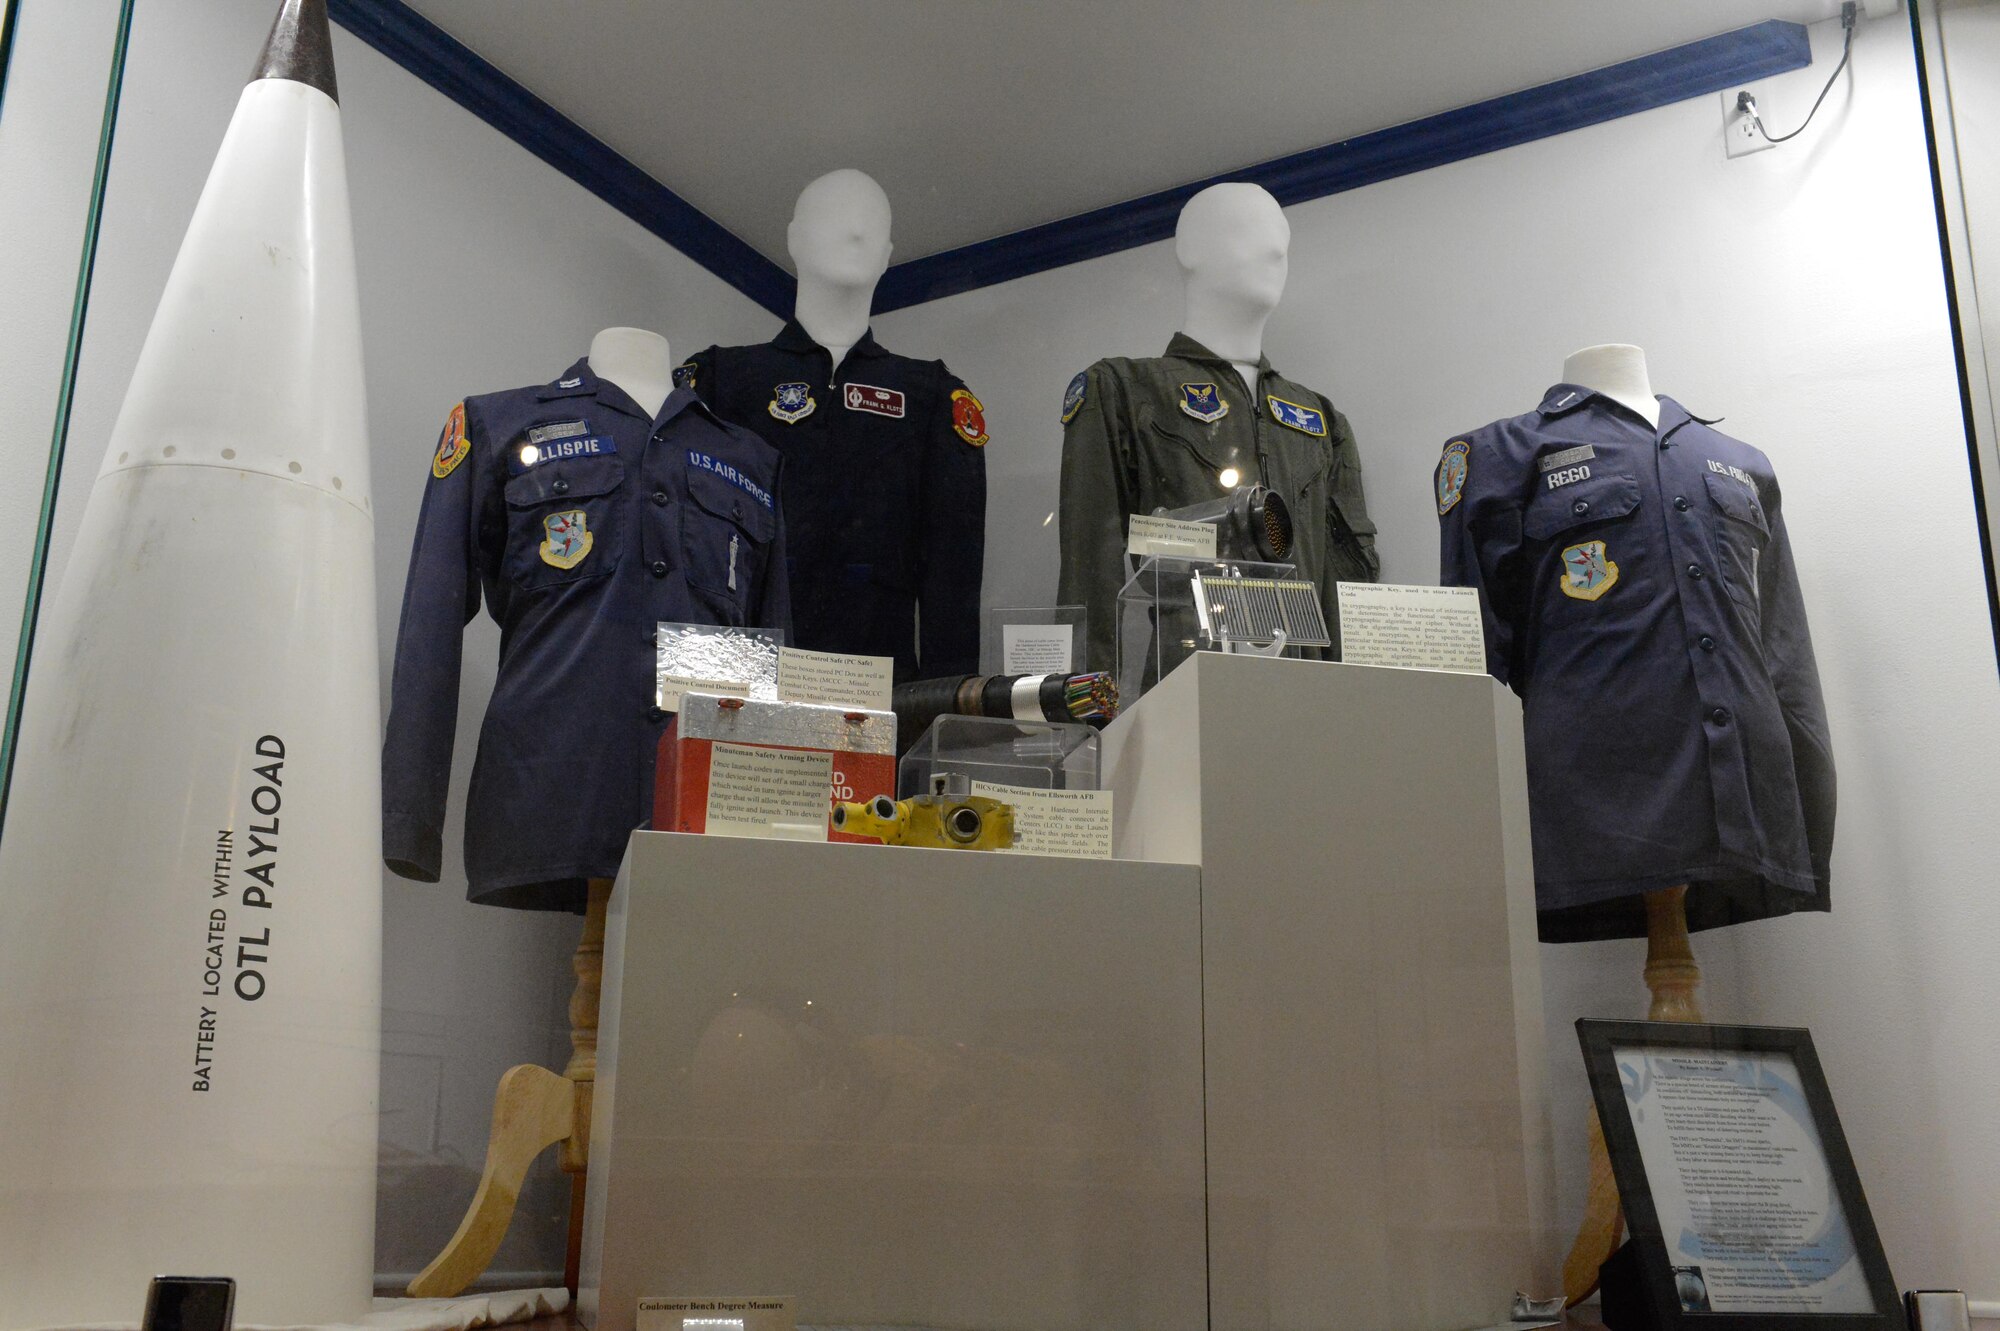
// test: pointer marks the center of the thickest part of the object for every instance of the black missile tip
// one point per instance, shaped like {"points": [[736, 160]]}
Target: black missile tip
{"points": [[300, 48]]}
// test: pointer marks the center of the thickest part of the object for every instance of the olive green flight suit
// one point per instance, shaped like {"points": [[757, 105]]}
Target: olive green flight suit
{"points": [[1129, 446]]}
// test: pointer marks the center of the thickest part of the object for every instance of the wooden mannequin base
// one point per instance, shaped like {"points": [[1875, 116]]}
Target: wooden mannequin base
{"points": [[533, 1110], [1673, 977]]}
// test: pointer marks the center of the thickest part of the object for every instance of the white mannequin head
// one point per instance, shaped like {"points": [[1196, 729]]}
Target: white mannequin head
{"points": [[1234, 240], [1233, 243], [839, 234], [839, 239]]}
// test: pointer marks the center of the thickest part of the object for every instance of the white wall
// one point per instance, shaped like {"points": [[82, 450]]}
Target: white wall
{"points": [[480, 268], [1798, 291]]}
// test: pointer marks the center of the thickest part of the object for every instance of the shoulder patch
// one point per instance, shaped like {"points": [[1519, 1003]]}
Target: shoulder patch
{"points": [[1204, 402], [453, 444], [684, 375], [1453, 469], [1073, 397], [1306, 420], [968, 417]]}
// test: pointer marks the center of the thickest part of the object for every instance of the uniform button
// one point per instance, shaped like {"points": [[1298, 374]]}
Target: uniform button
{"points": [[1681, 503], [1720, 716], [659, 568], [1694, 571], [736, 510], [655, 714], [1580, 507], [660, 498], [560, 487], [1707, 643]]}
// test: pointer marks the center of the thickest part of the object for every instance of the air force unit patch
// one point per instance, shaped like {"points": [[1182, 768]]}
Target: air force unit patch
{"points": [[968, 417], [1308, 420], [684, 375], [1203, 402], [453, 444], [1453, 468], [1073, 397], [1588, 572], [566, 538], [792, 403]]}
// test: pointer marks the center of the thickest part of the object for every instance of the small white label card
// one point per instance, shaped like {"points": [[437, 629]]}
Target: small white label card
{"points": [[1036, 649], [768, 1312], [1076, 823], [777, 794], [1150, 535], [830, 677], [672, 687], [1418, 628]]}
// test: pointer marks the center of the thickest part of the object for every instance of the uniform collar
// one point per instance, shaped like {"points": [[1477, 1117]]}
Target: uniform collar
{"points": [[578, 381], [1187, 348], [1563, 399], [793, 337]]}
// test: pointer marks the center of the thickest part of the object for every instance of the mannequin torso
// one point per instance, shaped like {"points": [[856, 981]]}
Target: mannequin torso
{"points": [[637, 361], [1618, 371]]}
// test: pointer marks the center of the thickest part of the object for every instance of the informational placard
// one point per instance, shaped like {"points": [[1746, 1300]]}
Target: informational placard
{"points": [[755, 1313], [672, 687], [777, 794], [1150, 535], [834, 678], [1076, 823], [1036, 649], [1417, 628], [1740, 1180]]}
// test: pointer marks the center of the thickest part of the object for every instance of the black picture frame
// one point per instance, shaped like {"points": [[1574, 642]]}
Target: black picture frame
{"points": [[1601, 1041]]}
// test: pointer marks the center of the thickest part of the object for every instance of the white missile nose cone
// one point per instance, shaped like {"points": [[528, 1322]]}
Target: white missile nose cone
{"points": [[300, 48]]}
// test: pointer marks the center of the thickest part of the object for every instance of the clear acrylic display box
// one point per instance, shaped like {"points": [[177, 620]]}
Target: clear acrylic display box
{"points": [[1158, 624], [1042, 755]]}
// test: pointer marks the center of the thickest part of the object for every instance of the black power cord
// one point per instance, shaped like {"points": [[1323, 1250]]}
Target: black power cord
{"points": [[1747, 105]]}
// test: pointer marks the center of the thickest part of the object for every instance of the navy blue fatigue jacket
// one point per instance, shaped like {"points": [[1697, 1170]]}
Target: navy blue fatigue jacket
{"points": [[1638, 592], [884, 493], [584, 524]]}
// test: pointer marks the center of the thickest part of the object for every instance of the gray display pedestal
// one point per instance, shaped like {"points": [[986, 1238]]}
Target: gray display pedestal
{"points": [[1300, 1086], [1377, 1116], [911, 1087]]}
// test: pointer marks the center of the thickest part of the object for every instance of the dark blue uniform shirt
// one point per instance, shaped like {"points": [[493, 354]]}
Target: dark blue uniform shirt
{"points": [[884, 493], [1639, 594], [584, 524]]}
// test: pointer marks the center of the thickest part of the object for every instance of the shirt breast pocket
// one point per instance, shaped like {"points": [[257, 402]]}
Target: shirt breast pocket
{"points": [[726, 538], [1605, 496], [1741, 534], [563, 522]]}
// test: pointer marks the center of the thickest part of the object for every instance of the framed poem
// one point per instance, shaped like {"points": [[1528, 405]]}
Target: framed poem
{"points": [[1741, 1194]]}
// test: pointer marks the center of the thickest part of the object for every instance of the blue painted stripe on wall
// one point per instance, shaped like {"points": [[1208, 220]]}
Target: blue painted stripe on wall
{"points": [[448, 65], [1694, 70]]}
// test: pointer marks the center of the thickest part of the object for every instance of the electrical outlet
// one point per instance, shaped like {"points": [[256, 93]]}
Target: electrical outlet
{"points": [[1739, 125]]}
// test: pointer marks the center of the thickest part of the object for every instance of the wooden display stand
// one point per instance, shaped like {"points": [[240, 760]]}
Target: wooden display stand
{"points": [[1673, 977], [533, 1110]]}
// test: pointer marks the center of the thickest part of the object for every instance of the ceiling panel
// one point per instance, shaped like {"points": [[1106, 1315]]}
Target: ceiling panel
{"points": [[982, 117]]}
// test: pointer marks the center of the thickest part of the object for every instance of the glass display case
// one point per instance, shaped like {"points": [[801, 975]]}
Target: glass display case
{"points": [[366, 423]]}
